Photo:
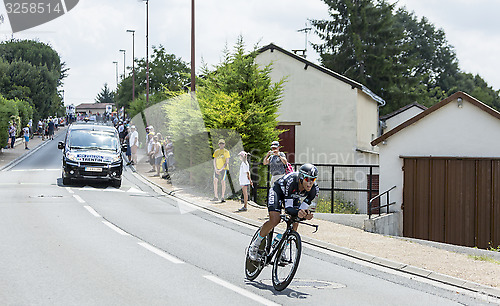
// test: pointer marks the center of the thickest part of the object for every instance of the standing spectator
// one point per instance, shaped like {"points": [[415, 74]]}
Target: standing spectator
{"points": [[276, 161], [169, 153], [51, 127], [221, 165], [134, 144], [126, 140], [12, 134], [40, 128], [30, 127], [245, 179], [26, 132], [150, 151], [157, 155], [121, 131]]}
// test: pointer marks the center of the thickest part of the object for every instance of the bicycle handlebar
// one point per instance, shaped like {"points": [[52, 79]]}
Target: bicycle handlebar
{"points": [[293, 219]]}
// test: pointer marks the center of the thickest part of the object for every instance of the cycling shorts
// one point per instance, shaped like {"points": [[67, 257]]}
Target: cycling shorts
{"points": [[273, 202]]}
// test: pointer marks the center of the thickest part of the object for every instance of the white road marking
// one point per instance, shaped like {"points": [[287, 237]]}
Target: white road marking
{"points": [[135, 190], [92, 211], [160, 253], [115, 228], [77, 197], [70, 190], [239, 290]]}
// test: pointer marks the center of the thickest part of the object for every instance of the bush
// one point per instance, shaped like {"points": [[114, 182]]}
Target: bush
{"points": [[340, 206], [8, 112]]}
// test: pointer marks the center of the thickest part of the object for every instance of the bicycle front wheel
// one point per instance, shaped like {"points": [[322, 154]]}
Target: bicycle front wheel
{"points": [[286, 261]]}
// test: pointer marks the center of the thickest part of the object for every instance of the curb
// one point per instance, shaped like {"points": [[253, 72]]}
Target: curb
{"points": [[431, 275]]}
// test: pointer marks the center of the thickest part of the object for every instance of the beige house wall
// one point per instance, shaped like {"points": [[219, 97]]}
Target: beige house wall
{"points": [[334, 117]]}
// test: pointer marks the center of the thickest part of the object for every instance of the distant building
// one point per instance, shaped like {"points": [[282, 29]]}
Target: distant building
{"points": [[93, 108]]}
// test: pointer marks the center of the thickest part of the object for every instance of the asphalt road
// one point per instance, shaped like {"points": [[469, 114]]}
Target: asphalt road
{"points": [[98, 245]]}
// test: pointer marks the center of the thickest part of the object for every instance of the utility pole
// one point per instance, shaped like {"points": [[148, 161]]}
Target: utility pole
{"points": [[193, 76]]}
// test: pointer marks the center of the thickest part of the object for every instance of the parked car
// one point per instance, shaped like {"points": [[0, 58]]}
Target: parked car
{"points": [[92, 152]]}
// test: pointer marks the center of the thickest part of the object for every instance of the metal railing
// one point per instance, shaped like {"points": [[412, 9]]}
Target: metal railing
{"points": [[379, 207], [330, 184]]}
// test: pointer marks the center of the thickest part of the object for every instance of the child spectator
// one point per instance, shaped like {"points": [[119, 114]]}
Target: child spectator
{"points": [[245, 179]]}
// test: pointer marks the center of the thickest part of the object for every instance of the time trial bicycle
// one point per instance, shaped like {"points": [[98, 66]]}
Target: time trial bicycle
{"points": [[283, 253]]}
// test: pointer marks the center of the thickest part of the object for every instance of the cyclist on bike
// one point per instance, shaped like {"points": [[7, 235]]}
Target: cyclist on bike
{"points": [[288, 192]]}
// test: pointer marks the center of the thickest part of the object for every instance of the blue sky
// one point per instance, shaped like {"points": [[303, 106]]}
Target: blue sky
{"points": [[89, 37]]}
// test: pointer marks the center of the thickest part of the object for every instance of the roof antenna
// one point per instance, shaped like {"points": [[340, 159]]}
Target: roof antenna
{"points": [[306, 30]]}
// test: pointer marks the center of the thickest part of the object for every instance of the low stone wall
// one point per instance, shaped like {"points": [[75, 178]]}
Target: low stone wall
{"points": [[388, 224]]}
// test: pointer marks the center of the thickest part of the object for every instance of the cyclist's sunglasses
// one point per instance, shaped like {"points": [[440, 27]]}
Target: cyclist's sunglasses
{"points": [[310, 178]]}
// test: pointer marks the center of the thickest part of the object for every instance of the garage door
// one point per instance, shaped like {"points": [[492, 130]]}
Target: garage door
{"points": [[452, 200]]}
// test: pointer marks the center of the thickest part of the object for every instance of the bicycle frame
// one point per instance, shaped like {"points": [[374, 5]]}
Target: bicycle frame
{"points": [[270, 249]]}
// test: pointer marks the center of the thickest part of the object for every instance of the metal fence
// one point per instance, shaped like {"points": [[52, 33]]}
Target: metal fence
{"points": [[342, 184]]}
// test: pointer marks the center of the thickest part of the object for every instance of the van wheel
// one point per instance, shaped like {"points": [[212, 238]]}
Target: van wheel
{"points": [[117, 183], [66, 181]]}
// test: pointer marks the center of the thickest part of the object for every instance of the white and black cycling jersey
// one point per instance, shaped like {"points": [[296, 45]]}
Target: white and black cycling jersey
{"points": [[285, 192]]}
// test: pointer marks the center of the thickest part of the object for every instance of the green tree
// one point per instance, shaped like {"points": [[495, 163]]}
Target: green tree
{"points": [[235, 100], [364, 43], [31, 71], [400, 57], [105, 96], [239, 95]]}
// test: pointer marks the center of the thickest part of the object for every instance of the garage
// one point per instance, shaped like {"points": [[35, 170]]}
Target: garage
{"points": [[443, 169], [452, 200]]}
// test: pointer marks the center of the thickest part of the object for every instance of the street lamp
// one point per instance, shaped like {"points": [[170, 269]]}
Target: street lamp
{"points": [[116, 66], [123, 63], [133, 60], [147, 52]]}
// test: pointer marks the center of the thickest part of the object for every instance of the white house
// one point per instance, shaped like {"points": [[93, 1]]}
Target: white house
{"points": [[333, 118], [330, 119], [445, 166]]}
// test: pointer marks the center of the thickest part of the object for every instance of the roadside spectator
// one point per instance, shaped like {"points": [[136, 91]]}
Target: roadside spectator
{"points": [[134, 144], [157, 155], [12, 134], [245, 179], [30, 127], [51, 127], [221, 165], [150, 151], [121, 131], [40, 128], [26, 132], [276, 161], [126, 140], [169, 147]]}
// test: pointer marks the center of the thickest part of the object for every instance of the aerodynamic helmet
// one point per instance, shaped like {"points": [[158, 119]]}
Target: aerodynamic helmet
{"points": [[308, 171]]}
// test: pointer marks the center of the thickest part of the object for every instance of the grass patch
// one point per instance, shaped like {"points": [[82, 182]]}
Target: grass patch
{"points": [[340, 206], [484, 258]]}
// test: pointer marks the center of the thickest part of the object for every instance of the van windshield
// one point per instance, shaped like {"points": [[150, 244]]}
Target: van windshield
{"points": [[96, 140]]}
